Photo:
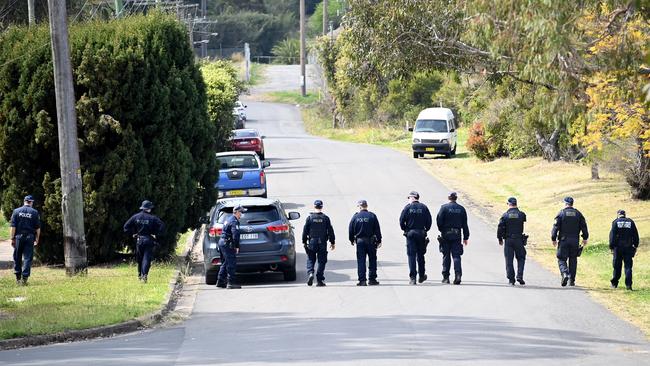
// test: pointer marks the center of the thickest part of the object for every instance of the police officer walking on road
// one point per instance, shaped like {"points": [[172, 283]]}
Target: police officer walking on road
{"points": [[623, 241], [415, 221], [511, 229], [228, 249], [569, 223], [144, 226], [365, 233], [316, 233], [25, 230], [451, 220]]}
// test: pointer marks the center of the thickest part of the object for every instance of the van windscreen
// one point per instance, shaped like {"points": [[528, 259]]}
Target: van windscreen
{"points": [[431, 125]]}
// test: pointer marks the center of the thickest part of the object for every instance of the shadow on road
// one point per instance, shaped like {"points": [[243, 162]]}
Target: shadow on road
{"points": [[445, 338]]}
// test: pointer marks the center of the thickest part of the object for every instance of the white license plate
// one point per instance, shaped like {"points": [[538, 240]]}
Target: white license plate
{"points": [[249, 236]]}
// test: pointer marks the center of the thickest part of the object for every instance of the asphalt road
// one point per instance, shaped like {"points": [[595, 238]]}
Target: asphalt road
{"points": [[484, 321]]}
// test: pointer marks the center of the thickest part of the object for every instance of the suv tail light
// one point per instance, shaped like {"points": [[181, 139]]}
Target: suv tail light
{"points": [[215, 231], [262, 178], [255, 141], [278, 229], [216, 261]]}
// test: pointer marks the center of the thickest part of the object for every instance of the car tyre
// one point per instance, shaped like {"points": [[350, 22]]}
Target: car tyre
{"points": [[290, 274], [265, 195], [211, 278], [453, 152], [415, 155]]}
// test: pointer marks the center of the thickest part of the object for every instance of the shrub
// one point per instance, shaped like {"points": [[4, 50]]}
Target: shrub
{"points": [[477, 142], [143, 129], [287, 52]]}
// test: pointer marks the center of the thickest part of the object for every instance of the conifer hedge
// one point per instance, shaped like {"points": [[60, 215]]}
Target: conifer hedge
{"points": [[143, 129]]}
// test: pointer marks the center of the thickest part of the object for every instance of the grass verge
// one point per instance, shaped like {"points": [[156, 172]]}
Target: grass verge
{"points": [[540, 187], [291, 97], [4, 228], [54, 302]]}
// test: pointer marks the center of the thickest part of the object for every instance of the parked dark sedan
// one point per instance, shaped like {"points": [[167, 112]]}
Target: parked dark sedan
{"points": [[248, 140], [267, 241]]}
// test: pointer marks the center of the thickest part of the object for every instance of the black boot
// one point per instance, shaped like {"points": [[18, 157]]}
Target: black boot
{"points": [[511, 282], [233, 286], [221, 285], [310, 280], [565, 279], [362, 283], [422, 278], [320, 284], [613, 284], [572, 282], [521, 281], [629, 287], [445, 279], [457, 279], [412, 281], [373, 283]]}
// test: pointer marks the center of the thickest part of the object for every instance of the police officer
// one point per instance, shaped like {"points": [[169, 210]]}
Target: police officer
{"points": [[415, 221], [315, 234], [25, 230], [451, 220], [569, 223], [144, 226], [511, 229], [364, 231], [229, 248], [623, 241]]}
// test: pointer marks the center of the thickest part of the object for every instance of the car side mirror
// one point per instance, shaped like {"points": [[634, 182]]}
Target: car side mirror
{"points": [[245, 106], [204, 220], [294, 215], [266, 164], [411, 129], [263, 137], [452, 130]]}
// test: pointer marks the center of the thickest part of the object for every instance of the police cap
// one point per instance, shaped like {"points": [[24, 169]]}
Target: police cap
{"points": [[146, 205], [568, 200], [512, 200], [620, 213], [29, 198], [239, 208], [362, 203], [318, 203], [453, 196], [414, 194]]}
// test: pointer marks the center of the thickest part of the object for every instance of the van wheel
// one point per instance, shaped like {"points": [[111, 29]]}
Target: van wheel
{"points": [[415, 155], [447, 155], [453, 152]]}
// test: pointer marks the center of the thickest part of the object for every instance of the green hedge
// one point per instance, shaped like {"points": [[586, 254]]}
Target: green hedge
{"points": [[142, 122]]}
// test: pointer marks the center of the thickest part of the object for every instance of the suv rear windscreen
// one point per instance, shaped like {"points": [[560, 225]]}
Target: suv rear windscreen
{"points": [[238, 162], [256, 215], [431, 125]]}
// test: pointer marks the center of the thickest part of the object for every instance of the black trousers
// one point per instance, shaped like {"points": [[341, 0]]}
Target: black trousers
{"points": [[623, 256], [514, 248], [415, 250], [567, 251], [366, 248]]}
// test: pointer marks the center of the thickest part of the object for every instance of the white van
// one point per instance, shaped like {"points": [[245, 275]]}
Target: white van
{"points": [[434, 133]]}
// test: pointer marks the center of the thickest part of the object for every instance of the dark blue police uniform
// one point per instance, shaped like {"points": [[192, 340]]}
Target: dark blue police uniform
{"points": [[145, 227], [316, 233], [228, 245], [623, 241], [452, 224], [511, 232], [415, 221], [569, 223], [364, 231], [26, 220]]}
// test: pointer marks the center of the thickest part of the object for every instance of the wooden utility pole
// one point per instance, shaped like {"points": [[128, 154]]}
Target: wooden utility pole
{"points": [[303, 79], [326, 14], [30, 12], [74, 239]]}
